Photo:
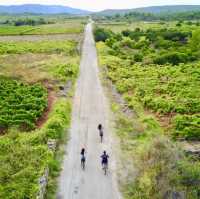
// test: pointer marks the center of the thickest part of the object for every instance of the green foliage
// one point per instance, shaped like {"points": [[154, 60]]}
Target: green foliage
{"points": [[195, 40], [21, 104], [38, 47], [40, 25], [155, 157], [159, 46], [138, 57], [171, 58], [101, 34], [65, 72], [28, 21], [169, 92], [187, 126], [147, 16], [24, 154], [27, 155], [166, 90]]}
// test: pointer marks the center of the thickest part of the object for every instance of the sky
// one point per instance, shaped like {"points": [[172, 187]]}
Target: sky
{"points": [[96, 5]]}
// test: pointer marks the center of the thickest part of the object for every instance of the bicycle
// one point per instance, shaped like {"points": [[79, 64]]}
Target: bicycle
{"points": [[101, 135], [105, 168], [83, 162], [104, 162]]}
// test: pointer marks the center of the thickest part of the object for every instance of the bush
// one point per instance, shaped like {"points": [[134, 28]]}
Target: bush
{"points": [[187, 126], [101, 34], [138, 57], [172, 58]]}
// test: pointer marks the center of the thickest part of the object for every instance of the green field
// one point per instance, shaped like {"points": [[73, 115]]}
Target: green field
{"points": [[157, 73], [143, 25], [58, 26], [21, 47], [33, 107]]}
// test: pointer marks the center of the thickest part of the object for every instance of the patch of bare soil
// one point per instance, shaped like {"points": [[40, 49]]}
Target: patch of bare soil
{"points": [[44, 117]]}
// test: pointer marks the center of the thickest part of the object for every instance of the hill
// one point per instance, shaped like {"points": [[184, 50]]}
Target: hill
{"points": [[154, 9], [41, 9]]}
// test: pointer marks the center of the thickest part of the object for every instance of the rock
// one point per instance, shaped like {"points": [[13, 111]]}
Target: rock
{"points": [[52, 144], [191, 148], [174, 195], [43, 180]]}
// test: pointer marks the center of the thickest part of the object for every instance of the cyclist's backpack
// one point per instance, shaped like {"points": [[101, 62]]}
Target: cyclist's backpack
{"points": [[105, 158], [83, 158]]}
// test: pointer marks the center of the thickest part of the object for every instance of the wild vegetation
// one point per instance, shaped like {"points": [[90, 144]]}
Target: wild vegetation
{"points": [[156, 71], [151, 16], [148, 67], [19, 47], [36, 85], [36, 25]]}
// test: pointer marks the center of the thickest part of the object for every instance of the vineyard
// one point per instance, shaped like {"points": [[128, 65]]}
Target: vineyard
{"points": [[161, 83], [36, 82], [20, 104], [157, 72]]}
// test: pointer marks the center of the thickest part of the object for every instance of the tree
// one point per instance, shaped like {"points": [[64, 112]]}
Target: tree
{"points": [[102, 34]]}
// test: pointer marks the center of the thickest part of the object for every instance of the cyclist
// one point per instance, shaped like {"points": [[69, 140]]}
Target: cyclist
{"points": [[83, 158], [100, 128], [104, 161]]}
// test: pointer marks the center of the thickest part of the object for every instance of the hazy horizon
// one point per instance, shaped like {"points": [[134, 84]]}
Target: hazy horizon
{"points": [[96, 5]]}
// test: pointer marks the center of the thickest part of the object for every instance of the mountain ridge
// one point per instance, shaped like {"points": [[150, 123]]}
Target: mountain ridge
{"points": [[153, 9], [59, 9], [41, 9]]}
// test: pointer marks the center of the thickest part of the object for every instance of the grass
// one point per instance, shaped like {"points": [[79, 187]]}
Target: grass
{"points": [[21, 47], [66, 28], [39, 67]]}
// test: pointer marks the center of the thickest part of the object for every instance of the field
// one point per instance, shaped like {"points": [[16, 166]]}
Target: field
{"points": [[37, 77], [156, 71], [58, 26], [143, 25]]}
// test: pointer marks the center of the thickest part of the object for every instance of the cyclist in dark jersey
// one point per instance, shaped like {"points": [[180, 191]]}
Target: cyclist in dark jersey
{"points": [[83, 158], [104, 158], [100, 128]]}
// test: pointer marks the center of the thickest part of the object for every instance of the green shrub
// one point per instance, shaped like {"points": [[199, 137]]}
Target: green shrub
{"points": [[138, 57], [172, 58], [101, 34]]}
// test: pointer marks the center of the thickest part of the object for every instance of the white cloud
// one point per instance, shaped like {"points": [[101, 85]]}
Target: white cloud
{"points": [[102, 4]]}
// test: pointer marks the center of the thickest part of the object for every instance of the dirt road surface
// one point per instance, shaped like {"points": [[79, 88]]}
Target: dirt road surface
{"points": [[89, 109]]}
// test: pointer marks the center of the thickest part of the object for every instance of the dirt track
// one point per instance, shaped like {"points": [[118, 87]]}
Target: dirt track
{"points": [[89, 109]]}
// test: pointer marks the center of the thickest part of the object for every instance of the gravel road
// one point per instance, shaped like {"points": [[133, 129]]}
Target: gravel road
{"points": [[90, 107]]}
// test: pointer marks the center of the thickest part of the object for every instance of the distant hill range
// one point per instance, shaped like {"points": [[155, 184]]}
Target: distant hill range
{"points": [[56, 9], [154, 9], [41, 9]]}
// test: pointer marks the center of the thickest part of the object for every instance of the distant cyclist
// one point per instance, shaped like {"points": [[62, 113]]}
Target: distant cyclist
{"points": [[104, 161], [83, 158], [100, 128]]}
